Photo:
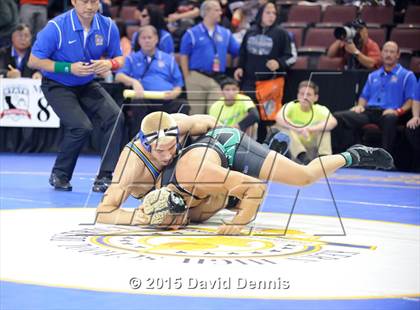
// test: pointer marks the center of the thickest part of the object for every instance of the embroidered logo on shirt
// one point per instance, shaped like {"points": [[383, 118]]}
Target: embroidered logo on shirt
{"points": [[99, 40], [72, 41], [394, 79], [218, 37], [161, 64]]}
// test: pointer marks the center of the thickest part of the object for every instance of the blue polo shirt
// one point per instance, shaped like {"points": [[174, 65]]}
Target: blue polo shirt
{"points": [[62, 39], [417, 92], [166, 43], [201, 48], [158, 73], [389, 90], [18, 60]]}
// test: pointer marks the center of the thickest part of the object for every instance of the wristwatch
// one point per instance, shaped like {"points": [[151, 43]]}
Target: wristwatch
{"points": [[356, 53]]}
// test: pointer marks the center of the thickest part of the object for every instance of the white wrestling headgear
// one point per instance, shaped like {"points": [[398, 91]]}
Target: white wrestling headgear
{"points": [[161, 202], [155, 127]]}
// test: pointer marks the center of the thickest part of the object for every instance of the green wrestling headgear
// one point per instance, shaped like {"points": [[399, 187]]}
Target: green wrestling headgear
{"points": [[162, 202]]}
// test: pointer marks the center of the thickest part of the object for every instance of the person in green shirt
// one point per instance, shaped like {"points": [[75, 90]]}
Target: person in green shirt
{"points": [[235, 109], [307, 123]]}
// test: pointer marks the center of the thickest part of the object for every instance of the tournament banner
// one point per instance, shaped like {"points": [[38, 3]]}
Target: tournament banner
{"points": [[23, 105]]}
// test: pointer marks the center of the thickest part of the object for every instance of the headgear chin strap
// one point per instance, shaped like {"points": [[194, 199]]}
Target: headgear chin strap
{"points": [[162, 202], [147, 139], [176, 204]]}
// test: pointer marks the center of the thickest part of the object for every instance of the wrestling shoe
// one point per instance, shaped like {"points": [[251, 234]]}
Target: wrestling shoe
{"points": [[365, 156], [100, 185], [278, 141], [60, 183]]}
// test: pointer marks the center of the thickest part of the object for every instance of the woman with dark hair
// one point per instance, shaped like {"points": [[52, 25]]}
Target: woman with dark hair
{"points": [[153, 15], [265, 52]]}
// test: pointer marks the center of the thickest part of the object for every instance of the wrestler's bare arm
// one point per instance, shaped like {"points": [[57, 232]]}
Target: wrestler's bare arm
{"points": [[195, 125], [214, 180], [207, 208], [130, 178]]}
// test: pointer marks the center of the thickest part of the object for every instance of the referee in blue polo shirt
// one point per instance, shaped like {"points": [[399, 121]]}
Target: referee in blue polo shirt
{"points": [[68, 51], [386, 97], [151, 69]]}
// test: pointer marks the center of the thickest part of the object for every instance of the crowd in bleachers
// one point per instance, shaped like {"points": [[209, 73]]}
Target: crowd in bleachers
{"points": [[305, 37]]}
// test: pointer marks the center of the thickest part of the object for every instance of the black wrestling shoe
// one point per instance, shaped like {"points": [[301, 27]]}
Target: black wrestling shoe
{"points": [[277, 141], [102, 184], [365, 156], [280, 143], [60, 183]]}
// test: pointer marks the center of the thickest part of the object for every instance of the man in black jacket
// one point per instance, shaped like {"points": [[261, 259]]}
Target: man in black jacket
{"points": [[14, 59]]}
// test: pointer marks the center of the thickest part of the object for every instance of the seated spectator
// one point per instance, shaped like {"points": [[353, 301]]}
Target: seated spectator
{"points": [[14, 59], [386, 97], [152, 70], [308, 124], [9, 18], [152, 15], [359, 53], [413, 129], [34, 14], [234, 109]]}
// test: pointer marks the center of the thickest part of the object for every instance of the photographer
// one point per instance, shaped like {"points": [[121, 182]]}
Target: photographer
{"points": [[353, 43]]}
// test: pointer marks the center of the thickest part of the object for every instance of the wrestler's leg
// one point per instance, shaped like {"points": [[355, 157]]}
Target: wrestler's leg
{"points": [[278, 168], [281, 169]]}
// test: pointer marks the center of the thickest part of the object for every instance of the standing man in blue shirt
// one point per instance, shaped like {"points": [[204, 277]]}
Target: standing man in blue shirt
{"points": [[68, 51], [386, 97], [203, 50], [151, 69]]}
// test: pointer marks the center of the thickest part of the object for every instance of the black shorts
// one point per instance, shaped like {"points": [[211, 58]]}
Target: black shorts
{"points": [[250, 156]]}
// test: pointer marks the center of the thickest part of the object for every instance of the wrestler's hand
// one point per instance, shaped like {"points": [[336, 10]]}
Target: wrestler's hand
{"points": [[230, 229], [81, 69], [101, 66], [140, 218]]}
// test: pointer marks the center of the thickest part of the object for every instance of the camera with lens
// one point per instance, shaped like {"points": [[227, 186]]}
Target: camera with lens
{"points": [[349, 31], [345, 33]]}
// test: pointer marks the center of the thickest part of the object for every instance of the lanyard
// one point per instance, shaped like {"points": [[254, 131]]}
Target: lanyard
{"points": [[85, 47], [147, 66], [212, 40]]}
